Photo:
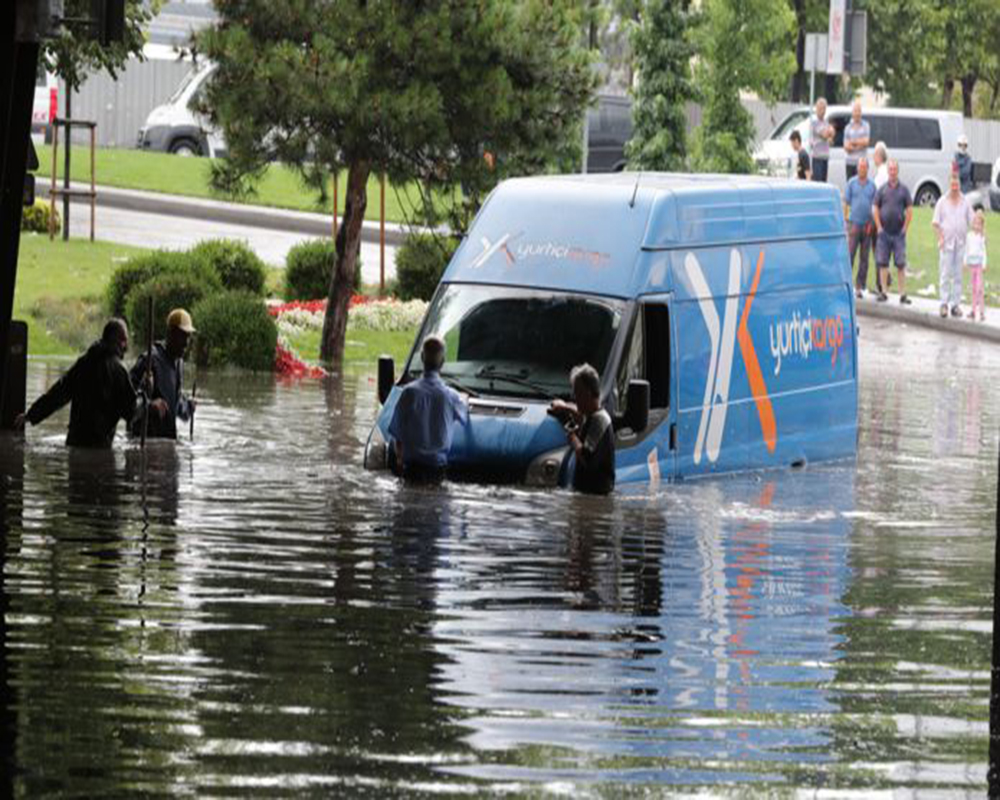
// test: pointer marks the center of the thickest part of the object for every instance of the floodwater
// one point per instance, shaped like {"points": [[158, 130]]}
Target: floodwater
{"points": [[253, 613]]}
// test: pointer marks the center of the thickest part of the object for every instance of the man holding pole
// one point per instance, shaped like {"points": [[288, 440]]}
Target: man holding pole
{"points": [[166, 399]]}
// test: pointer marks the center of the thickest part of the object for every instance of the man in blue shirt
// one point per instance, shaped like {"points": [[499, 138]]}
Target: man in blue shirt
{"points": [[424, 419], [858, 198]]}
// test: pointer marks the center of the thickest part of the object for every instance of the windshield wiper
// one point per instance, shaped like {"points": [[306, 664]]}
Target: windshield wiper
{"points": [[491, 373], [451, 380]]}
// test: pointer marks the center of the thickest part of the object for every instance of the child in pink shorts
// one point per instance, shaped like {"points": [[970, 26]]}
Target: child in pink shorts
{"points": [[975, 260]]}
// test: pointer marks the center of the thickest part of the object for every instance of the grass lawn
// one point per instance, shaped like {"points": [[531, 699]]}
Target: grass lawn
{"points": [[161, 172], [60, 294]]}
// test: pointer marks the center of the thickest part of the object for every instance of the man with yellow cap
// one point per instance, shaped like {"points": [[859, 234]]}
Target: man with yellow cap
{"points": [[167, 401]]}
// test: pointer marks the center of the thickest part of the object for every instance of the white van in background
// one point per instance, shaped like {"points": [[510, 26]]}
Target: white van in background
{"points": [[176, 127], [46, 104], [923, 142]]}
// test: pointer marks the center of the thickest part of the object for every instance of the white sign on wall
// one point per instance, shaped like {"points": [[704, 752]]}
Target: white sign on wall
{"points": [[835, 38]]}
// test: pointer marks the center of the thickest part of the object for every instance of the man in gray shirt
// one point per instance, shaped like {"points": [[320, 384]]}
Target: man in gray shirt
{"points": [[892, 210], [856, 136], [820, 136]]}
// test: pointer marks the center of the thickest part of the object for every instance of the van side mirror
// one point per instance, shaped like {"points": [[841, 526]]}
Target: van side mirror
{"points": [[386, 377], [637, 405]]}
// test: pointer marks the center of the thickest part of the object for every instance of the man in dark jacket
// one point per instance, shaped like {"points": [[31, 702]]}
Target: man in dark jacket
{"points": [[963, 162], [167, 401], [98, 388]]}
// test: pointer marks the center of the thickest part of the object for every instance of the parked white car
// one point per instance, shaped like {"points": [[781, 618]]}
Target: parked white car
{"points": [[922, 141], [176, 127]]}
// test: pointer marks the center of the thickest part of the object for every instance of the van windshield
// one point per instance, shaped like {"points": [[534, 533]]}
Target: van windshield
{"points": [[194, 73], [791, 121], [518, 342]]}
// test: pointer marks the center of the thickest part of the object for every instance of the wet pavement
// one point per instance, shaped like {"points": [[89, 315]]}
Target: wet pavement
{"points": [[252, 613]]}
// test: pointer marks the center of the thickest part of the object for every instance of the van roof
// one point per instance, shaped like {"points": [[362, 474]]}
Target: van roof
{"points": [[533, 231], [883, 111]]}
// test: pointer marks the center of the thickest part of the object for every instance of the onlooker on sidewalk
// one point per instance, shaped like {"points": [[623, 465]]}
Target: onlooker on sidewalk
{"points": [[803, 169], [858, 199], [820, 136], [952, 217], [963, 162], [893, 212], [880, 157], [856, 136], [975, 260]]}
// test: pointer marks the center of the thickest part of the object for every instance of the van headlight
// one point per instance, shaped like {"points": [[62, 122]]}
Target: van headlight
{"points": [[544, 471], [376, 451]]}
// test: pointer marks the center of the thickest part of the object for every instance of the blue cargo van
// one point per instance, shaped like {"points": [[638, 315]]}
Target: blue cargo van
{"points": [[717, 309]]}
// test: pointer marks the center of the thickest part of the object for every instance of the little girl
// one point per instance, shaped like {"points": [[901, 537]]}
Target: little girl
{"points": [[975, 260]]}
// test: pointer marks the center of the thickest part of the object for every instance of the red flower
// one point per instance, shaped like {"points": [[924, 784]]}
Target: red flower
{"points": [[287, 364]]}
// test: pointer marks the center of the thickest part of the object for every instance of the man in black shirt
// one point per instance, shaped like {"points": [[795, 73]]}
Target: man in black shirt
{"points": [[589, 432], [803, 169], [98, 388]]}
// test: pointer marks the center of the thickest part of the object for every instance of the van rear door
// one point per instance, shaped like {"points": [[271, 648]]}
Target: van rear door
{"points": [[649, 454]]}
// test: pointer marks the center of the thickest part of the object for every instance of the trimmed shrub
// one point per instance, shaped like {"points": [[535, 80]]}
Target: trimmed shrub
{"points": [[237, 266], [420, 262], [142, 268], [308, 267], [235, 328], [36, 218], [169, 291]]}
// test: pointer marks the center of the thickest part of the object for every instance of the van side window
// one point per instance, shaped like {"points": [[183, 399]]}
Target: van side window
{"points": [[918, 133], [648, 357], [883, 129]]}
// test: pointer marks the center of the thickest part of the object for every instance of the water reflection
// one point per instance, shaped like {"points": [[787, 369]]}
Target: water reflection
{"points": [[253, 612]]}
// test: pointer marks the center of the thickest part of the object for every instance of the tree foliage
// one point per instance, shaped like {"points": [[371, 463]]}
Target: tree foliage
{"points": [[74, 53], [745, 45], [662, 55], [418, 91]]}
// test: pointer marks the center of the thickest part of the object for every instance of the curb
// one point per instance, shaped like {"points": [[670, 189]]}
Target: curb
{"points": [[963, 327], [278, 219]]}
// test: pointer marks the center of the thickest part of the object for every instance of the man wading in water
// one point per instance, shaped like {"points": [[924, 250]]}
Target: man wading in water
{"points": [[425, 418], [99, 389], [589, 432], [167, 401]]}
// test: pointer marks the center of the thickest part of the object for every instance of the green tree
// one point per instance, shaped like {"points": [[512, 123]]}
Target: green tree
{"points": [[745, 45], [74, 53], [662, 52], [910, 37], [417, 91], [970, 45]]}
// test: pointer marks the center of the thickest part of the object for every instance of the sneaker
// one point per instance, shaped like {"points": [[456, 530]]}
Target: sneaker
{"points": [[972, 314], [882, 297], [858, 293], [956, 311], [944, 310], [982, 316], [905, 301]]}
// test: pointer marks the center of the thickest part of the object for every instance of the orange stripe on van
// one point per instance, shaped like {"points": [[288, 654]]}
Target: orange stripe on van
{"points": [[757, 386]]}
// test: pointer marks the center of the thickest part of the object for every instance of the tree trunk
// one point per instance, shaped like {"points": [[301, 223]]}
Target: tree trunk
{"points": [[342, 280], [947, 89], [968, 87]]}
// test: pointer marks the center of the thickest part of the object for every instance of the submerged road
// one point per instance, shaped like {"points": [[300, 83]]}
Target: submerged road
{"points": [[253, 612]]}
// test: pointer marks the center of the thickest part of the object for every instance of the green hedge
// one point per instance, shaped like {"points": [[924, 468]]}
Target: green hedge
{"points": [[308, 267], [36, 218], [420, 262], [234, 328], [169, 291], [237, 266], [140, 269]]}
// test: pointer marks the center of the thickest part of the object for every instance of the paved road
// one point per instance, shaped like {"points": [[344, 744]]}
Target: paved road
{"points": [[145, 229]]}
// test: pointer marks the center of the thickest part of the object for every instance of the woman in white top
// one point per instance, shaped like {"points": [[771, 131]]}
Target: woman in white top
{"points": [[881, 158]]}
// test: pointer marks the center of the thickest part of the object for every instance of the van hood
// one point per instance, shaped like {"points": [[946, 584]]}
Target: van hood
{"points": [[503, 437], [774, 157]]}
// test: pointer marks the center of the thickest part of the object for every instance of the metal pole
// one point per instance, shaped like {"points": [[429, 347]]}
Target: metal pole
{"points": [[993, 774], [69, 146], [812, 85], [334, 206], [93, 187], [381, 235], [52, 191]]}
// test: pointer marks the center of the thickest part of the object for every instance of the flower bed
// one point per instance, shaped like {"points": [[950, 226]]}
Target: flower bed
{"points": [[367, 314]]}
